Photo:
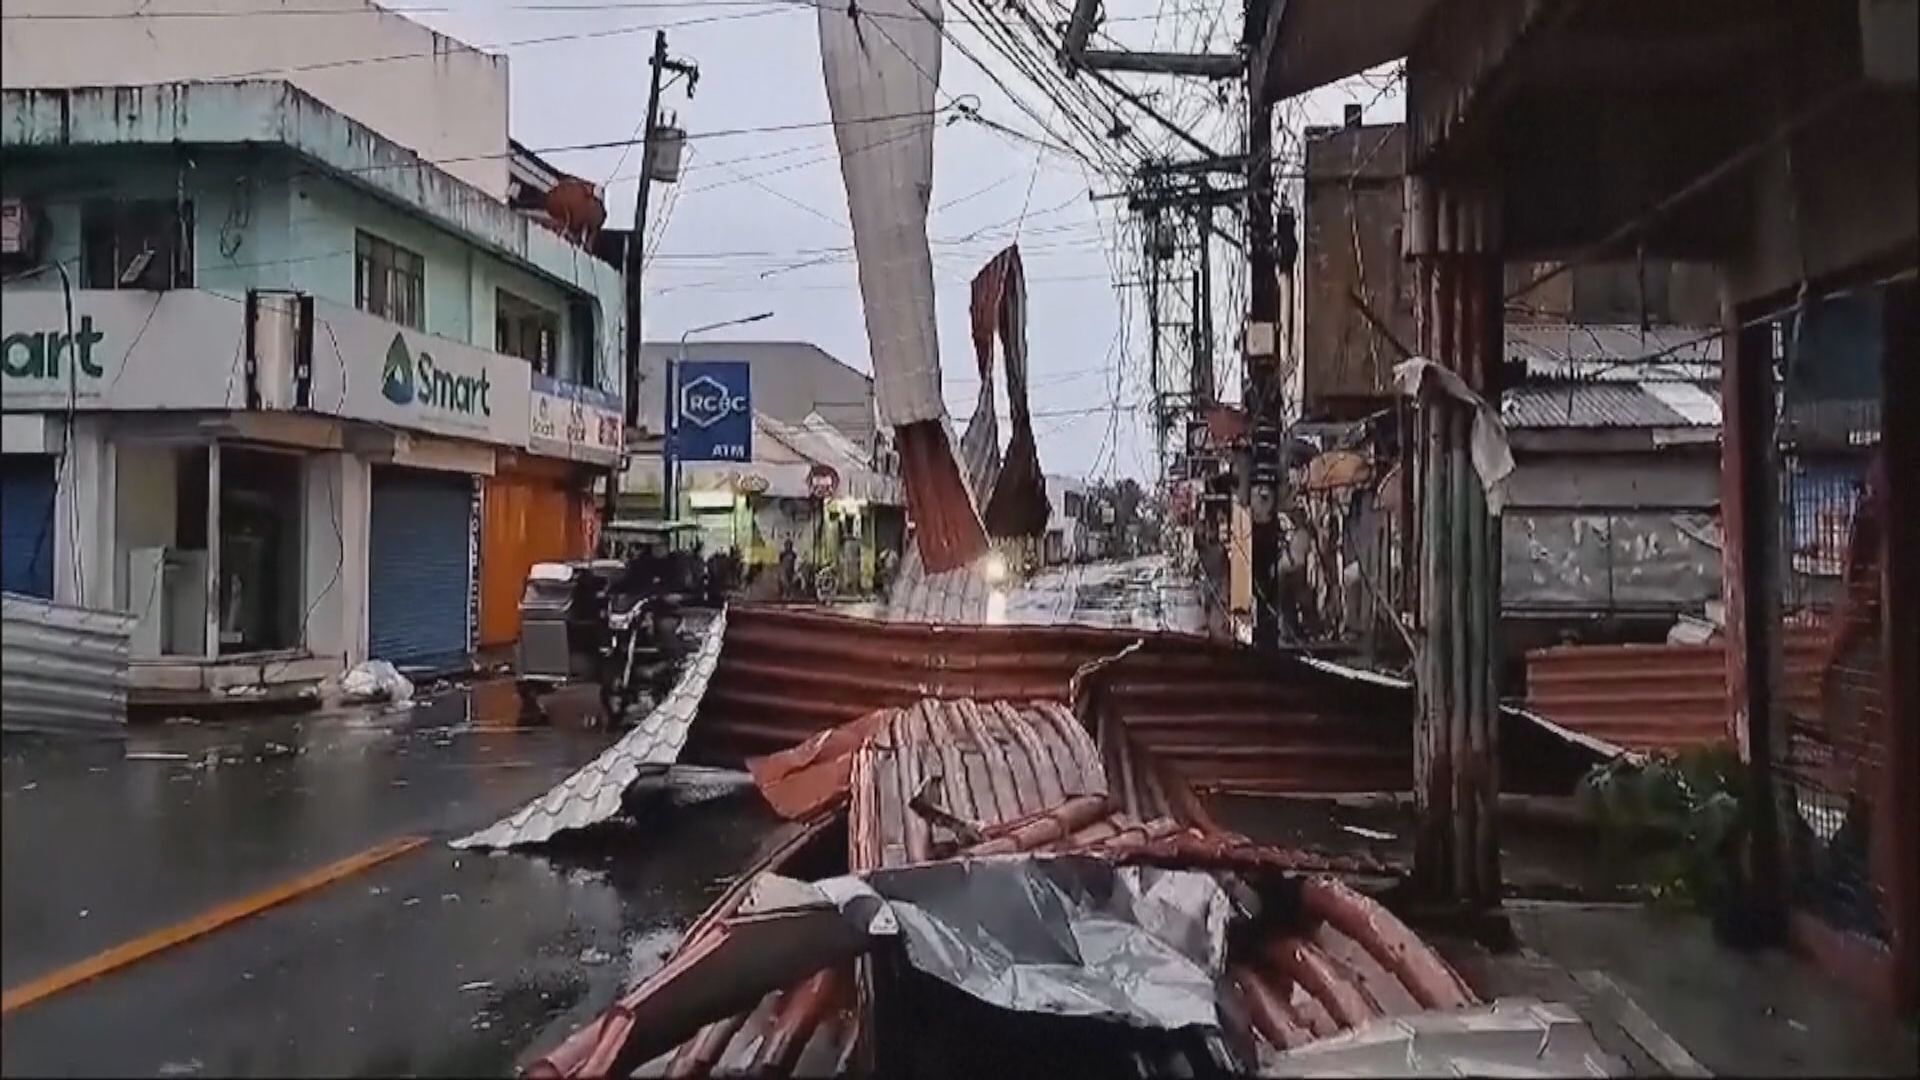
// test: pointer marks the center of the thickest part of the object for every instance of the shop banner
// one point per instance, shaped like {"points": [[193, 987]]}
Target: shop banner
{"points": [[366, 368], [574, 422], [120, 350], [715, 406]]}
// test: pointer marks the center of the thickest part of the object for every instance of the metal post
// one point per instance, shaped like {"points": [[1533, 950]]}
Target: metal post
{"points": [[669, 462], [1749, 491], [1900, 623], [1451, 237], [1262, 389]]}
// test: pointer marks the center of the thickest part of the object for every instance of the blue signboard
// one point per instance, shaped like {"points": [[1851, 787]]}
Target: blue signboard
{"points": [[715, 406]]}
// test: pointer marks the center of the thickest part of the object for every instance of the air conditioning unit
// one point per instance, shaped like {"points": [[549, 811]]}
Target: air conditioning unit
{"points": [[18, 236]]}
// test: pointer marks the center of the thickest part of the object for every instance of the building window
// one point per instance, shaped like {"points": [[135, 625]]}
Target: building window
{"points": [[524, 329], [136, 244], [582, 328], [389, 281], [1074, 504]]}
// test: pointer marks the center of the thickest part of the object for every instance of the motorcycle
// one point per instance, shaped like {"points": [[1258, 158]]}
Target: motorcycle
{"points": [[646, 646]]}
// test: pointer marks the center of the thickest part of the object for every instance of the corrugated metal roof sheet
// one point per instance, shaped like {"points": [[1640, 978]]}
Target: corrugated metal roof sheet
{"points": [[978, 779], [592, 794], [1613, 352], [66, 668], [767, 679], [1657, 697], [1609, 405]]}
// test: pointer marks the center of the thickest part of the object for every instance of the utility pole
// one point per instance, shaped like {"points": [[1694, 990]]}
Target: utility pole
{"points": [[635, 258], [1262, 344]]}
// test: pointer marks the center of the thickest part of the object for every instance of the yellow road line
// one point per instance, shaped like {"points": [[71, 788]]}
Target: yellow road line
{"points": [[233, 911]]}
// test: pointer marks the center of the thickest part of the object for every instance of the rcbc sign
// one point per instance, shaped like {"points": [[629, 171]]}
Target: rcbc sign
{"points": [[714, 412]]}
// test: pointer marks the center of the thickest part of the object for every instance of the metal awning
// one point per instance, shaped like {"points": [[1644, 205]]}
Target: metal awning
{"points": [[1320, 41]]}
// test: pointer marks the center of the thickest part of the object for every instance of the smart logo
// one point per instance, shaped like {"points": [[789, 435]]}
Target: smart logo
{"points": [[406, 381]]}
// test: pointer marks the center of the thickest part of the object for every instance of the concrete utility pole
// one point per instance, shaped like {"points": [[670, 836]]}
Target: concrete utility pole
{"points": [[1262, 344], [635, 255]]}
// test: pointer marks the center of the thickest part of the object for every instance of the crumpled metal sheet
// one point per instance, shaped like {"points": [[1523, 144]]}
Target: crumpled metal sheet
{"points": [[1492, 456], [592, 794], [1511, 1037], [1062, 935], [1011, 491]]}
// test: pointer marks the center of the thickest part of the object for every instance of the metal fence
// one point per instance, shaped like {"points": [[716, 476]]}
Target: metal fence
{"points": [[1829, 574], [63, 668]]}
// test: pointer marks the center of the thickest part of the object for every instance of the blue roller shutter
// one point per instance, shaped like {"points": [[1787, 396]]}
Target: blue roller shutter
{"points": [[419, 582], [26, 524]]}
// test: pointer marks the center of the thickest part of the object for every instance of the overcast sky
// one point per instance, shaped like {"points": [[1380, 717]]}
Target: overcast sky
{"points": [[758, 221]]}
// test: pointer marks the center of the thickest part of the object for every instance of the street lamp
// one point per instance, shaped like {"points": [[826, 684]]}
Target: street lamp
{"points": [[670, 464]]}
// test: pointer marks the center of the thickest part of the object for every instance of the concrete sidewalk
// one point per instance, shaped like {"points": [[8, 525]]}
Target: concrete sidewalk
{"points": [[1660, 990]]}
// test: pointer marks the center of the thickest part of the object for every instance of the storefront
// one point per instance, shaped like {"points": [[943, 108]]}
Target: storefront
{"points": [[807, 486], [532, 510], [27, 486], [422, 538], [208, 519]]}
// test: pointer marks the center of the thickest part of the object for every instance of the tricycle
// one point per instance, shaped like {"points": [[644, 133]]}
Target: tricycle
{"points": [[617, 621]]}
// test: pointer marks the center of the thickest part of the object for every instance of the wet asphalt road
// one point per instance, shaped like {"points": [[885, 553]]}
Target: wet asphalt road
{"points": [[434, 963]]}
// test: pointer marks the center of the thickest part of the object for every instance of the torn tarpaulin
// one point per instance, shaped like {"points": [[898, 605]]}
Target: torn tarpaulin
{"points": [[1492, 457], [1064, 936]]}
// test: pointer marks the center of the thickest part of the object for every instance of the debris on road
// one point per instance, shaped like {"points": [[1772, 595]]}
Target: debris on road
{"points": [[770, 688], [594, 793], [375, 681], [155, 755], [980, 890]]}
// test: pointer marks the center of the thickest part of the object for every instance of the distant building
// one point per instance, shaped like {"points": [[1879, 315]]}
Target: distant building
{"points": [[1612, 511], [792, 382], [1068, 535]]}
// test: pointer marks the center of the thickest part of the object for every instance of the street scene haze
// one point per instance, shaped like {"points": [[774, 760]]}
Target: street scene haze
{"points": [[959, 538]]}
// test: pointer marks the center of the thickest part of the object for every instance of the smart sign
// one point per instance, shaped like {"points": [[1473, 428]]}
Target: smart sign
{"points": [[714, 411]]}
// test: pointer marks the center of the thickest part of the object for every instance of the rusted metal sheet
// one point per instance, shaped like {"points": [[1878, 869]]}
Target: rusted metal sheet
{"points": [[947, 778], [984, 763], [1657, 697], [786, 675], [1267, 723], [1012, 491]]}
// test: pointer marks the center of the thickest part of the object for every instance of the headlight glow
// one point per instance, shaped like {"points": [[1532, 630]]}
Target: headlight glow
{"points": [[995, 568]]}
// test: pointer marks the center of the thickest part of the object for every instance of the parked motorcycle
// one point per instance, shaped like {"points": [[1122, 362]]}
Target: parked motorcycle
{"points": [[645, 650]]}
